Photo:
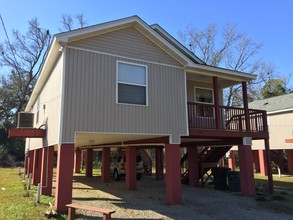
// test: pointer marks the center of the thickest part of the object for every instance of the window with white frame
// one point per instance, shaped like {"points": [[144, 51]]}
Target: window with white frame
{"points": [[38, 111], [203, 95], [131, 83]]}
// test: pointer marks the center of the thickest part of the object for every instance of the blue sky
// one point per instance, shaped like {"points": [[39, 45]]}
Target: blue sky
{"points": [[265, 21]]}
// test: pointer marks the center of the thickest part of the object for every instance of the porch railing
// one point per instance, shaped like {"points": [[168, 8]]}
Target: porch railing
{"points": [[206, 116]]}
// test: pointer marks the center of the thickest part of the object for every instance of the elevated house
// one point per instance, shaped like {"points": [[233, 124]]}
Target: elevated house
{"points": [[128, 84], [280, 126]]}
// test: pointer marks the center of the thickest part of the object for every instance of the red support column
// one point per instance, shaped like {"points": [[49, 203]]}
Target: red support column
{"points": [[245, 104], [290, 161], [77, 160], [82, 159], [26, 163], [64, 177], [130, 168], [105, 164], [47, 170], [37, 166], [193, 169], [31, 162], [246, 170], [89, 162], [231, 160], [173, 177], [159, 164], [256, 164], [262, 163]]}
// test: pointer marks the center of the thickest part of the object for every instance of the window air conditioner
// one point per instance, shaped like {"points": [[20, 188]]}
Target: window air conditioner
{"points": [[25, 120]]}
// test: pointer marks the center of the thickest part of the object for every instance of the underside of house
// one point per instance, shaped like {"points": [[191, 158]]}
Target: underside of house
{"points": [[179, 108]]}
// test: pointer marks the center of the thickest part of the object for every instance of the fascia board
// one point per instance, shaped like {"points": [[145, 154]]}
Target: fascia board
{"points": [[46, 69], [175, 42], [280, 111], [221, 72]]}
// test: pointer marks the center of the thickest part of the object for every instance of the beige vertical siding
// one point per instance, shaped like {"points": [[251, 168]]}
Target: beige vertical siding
{"points": [[90, 98], [50, 99], [280, 128], [128, 42]]}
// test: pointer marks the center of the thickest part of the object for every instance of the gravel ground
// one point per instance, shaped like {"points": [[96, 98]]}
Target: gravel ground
{"points": [[148, 202]]}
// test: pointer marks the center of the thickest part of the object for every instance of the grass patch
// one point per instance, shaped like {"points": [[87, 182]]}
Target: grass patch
{"points": [[281, 183], [17, 202]]}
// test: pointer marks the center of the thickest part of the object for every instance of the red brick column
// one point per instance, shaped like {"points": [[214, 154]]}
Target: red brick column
{"points": [[173, 177], [246, 170], [231, 160], [290, 161], [193, 169], [82, 159], [159, 164], [64, 176], [130, 168], [37, 166], [262, 163], [89, 162], [105, 164], [47, 170], [77, 160]]}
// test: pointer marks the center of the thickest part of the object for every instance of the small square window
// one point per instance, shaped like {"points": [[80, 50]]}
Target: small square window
{"points": [[131, 83]]}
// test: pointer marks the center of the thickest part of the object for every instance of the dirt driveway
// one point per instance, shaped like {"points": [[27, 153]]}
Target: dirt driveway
{"points": [[148, 201]]}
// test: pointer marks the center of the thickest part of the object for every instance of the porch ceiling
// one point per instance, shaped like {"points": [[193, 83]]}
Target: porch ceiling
{"points": [[85, 140], [223, 82]]}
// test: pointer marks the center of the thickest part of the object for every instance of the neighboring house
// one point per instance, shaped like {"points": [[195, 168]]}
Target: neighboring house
{"points": [[280, 125], [128, 84]]}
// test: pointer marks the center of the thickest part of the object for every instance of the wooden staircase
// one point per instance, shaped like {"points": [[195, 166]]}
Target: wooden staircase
{"points": [[206, 157], [147, 162]]}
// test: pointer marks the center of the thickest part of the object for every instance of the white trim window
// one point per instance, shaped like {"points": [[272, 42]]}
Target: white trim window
{"points": [[131, 83], [203, 95]]}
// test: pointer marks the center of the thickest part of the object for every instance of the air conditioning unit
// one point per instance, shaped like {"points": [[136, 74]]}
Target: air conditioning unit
{"points": [[25, 120]]}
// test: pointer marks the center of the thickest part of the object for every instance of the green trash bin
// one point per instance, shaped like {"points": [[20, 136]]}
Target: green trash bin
{"points": [[220, 177], [234, 181]]}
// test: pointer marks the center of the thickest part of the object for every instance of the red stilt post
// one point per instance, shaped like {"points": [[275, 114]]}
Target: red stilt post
{"points": [[31, 162], [193, 169], [268, 165], [47, 170], [173, 177], [26, 163], [231, 160], [159, 164], [77, 160], [64, 178], [246, 170], [262, 163], [82, 159], [105, 164], [89, 162], [290, 161], [37, 166], [130, 168], [256, 164]]}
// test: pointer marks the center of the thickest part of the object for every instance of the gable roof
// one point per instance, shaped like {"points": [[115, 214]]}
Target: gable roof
{"points": [[154, 33], [278, 104]]}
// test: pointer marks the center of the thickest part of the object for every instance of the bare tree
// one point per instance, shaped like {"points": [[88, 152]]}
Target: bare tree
{"points": [[20, 59], [68, 22], [228, 48]]}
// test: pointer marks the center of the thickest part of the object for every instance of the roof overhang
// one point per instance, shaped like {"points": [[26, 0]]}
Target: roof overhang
{"points": [[26, 133], [228, 77]]}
